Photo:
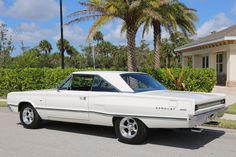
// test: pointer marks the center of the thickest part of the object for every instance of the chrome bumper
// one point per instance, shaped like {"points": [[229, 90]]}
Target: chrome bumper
{"points": [[205, 117]]}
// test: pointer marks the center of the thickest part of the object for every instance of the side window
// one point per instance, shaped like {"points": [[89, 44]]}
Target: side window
{"points": [[66, 85], [99, 84], [82, 82]]}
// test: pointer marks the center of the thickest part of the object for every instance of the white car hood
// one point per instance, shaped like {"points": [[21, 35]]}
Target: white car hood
{"points": [[198, 97]]}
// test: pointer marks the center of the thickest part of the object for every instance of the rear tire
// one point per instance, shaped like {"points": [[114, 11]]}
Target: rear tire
{"points": [[130, 130], [29, 117]]}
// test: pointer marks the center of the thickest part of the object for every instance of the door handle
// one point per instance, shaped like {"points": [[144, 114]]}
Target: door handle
{"points": [[82, 98]]}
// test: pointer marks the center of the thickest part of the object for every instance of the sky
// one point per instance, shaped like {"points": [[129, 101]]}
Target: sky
{"points": [[31, 21]]}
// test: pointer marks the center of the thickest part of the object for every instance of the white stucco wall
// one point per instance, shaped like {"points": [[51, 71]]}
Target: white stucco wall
{"points": [[212, 60], [231, 66]]}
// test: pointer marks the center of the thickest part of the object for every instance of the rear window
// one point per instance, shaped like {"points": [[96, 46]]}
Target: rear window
{"points": [[140, 82]]}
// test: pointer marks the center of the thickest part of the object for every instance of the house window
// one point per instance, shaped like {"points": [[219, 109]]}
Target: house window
{"points": [[219, 62], [205, 61]]}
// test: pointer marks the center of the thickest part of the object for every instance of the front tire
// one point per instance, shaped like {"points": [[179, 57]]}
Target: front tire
{"points": [[130, 130], [29, 117]]}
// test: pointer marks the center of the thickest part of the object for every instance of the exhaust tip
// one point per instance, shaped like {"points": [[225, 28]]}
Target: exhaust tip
{"points": [[198, 130]]}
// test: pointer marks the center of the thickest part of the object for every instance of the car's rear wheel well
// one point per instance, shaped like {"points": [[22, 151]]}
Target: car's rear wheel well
{"points": [[21, 104], [130, 130], [115, 118]]}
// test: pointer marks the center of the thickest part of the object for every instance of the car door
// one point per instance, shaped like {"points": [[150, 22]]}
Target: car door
{"points": [[70, 101]]}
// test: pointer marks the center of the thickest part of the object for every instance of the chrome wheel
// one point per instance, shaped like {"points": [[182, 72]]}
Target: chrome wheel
{"points": [[28, 116], [128, 128]]}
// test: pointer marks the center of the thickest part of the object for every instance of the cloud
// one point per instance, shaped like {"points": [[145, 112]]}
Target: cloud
{"points": [[73, 33], [113, 33], [2, 7], [233, 10], [30, 9], [31, 33], [1, 21], [149, 36], [217, 23]]}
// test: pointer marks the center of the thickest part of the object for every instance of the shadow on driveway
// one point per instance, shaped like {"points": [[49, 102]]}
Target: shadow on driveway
{"points": [[183, 138], [165, 137], [92, 130]]}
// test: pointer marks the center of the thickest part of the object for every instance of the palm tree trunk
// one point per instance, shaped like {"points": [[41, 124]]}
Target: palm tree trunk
{"points": [[157, 42], [131, 62]]}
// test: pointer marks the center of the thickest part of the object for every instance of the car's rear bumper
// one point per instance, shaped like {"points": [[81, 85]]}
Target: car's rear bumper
{"points": [[205, 117]]}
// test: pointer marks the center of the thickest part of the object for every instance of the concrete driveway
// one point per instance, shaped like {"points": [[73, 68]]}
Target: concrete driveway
{"points": [[230, 93], [69, 140]]}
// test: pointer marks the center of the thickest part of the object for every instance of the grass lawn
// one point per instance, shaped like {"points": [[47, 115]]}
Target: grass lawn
{"points": [[231, 109], [3, 104]]}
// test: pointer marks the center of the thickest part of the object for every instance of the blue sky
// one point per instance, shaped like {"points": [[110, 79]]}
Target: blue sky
{"points": [[33, 20]]}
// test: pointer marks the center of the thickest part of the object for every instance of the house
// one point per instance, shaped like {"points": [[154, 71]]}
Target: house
{"points": [[217, 50]]}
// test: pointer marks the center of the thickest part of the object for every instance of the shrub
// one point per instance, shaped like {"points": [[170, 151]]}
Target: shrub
{"points": [[30, 79], [200, 80]]}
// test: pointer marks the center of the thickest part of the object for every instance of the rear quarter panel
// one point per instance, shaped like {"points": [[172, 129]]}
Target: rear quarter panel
{"points": [[150, 109], [15, 99]]}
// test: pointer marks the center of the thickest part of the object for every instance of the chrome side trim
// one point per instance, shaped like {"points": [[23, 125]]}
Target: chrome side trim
{"points": [[11, 105], [111, 114]]}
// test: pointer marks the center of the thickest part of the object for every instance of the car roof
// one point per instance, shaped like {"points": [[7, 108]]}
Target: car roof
{"points": [[104, 72]]}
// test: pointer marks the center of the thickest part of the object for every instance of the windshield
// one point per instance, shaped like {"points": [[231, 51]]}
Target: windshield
{"points": [[140, 82]]}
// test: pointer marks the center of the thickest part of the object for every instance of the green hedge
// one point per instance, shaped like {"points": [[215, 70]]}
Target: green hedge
{"points": [[30, 79], [198, 80], [43, 78]]}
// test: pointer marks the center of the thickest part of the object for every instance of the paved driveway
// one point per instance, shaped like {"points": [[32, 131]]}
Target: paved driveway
{"points": [[69, 140], [230, 93]]}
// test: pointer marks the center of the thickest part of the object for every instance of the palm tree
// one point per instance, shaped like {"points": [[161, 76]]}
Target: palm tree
{"points": [[104, 11], [70, 50], [66, 45], [172, 15], [98, 37], [45, 46]]}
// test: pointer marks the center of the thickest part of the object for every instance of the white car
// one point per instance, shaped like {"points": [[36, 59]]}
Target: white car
{"points": [[131, 102]]}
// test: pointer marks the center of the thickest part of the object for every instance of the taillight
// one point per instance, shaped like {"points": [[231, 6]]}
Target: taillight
{"points": [[222, 101]]}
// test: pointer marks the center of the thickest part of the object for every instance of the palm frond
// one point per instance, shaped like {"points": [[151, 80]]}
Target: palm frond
{"points": [[155, 15], [97, 24], [134, 5], [83, 12], [83, 18], [146, 26]]}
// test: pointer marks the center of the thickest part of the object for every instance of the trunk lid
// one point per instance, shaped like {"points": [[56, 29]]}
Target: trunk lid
{"points": [[199, 98]]}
